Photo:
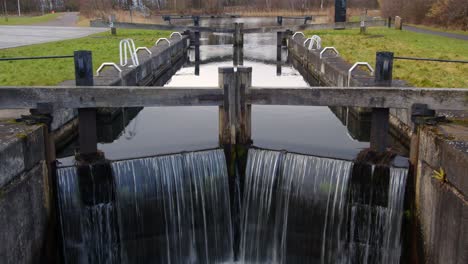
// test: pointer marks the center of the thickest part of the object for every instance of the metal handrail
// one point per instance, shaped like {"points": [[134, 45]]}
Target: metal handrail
{"points": [[318, 41], [98, 71], [161, 39], [128, 45], [144, 48], [176, 33], [350, 71], [38, 58], [314, 40], [328, 48], [298, 33]]}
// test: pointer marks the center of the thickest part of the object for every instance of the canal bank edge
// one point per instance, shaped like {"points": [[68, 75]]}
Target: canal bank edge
{"points": [[441, 205]]}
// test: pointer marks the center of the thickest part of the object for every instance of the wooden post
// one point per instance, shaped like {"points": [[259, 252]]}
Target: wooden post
{"points": [[279, 20], [238, 56], [380, 116], [86, 116], [363, 23], [196, 42], [238, 34], [235, 115], [227, 112], [244, 82], [196, 21], [280, 36], [112, 19]]}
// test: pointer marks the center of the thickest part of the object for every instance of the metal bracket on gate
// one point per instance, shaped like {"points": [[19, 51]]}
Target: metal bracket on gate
{"points": [[161, 39], [314, 41], [176, 33], [298, 33], [350, 71], [144, 48], [329, 48], [109, 64]]}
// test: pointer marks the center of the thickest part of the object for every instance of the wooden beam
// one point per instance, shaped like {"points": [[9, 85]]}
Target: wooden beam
{"points": [[109, 96], [99, 96], [101, 23], [388, 97], [268, 29]]}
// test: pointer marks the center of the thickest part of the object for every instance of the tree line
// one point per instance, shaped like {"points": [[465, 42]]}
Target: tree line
{"points": [[178, 5], [447, 13]]}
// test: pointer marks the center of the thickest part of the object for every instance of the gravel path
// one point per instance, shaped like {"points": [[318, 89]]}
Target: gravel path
{"points": [[436, 33]]}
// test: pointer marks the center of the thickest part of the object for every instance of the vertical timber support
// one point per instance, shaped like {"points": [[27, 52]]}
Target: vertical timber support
{"points": [[381, 116], [86, 116], [363, 23], [279, 20], [112, 19], [235, 134], [227, 112], [196, 21], [238, 49], [235, 114], [279, 45], [244, 82], [238, 35], [196, 43]]}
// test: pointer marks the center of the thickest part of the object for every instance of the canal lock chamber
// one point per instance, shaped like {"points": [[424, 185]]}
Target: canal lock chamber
{"points": [[168, 193]]}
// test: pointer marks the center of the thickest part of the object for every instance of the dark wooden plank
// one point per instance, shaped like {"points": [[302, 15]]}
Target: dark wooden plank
{"points": [[101, 23], [82, 97], [85, 97], [391, 97], [86, 116]]}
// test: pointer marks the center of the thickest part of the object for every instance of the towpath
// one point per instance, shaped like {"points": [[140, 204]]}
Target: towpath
{"points": [[436, 33], [60, 29]]}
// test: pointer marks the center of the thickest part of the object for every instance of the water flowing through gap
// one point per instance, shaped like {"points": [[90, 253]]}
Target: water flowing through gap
{"points": [[169, 209], [176, 209], [305, 209]]}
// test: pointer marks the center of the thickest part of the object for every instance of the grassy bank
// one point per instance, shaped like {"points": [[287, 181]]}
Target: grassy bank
{"points": [[28, 20], [355, 47], [104, 46]]}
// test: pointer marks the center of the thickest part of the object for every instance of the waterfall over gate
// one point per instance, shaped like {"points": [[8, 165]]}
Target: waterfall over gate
{"points": [[176, 209], [303, 209], [169, 209]]}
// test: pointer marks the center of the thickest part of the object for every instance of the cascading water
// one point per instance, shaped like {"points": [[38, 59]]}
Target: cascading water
{"points": [[176, 209], [291, 203], [88, 229], [300, 209]]}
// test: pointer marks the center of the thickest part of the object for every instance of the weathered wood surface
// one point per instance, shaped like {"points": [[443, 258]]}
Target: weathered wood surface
{"points": [[436, 98], [101, 23], [267, 29], [83, 97]]}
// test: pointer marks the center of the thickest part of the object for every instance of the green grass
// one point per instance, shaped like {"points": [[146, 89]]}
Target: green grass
{"points": [[28, 20], [104, 47], [354, 47]]}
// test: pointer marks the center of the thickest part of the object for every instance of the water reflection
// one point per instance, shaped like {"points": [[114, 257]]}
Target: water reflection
{"points": [[310, 130]]}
